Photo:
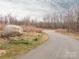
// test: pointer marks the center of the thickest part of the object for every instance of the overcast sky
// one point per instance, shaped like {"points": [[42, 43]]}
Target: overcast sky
{"points": [[23, 8], [37, 8]]}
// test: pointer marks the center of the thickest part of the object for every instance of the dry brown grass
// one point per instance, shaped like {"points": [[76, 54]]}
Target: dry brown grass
{"points": [[25, 27], [31, 38], [2, 26], [26, 35], [74, 35], [31, 29], [15, 47], [60, 30], [45, 37]]}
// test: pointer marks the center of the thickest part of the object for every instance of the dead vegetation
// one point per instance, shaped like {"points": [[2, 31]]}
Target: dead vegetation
{"points": [[20, 45], [74, 35], [31, 29], [12, 44], [18, 32]]}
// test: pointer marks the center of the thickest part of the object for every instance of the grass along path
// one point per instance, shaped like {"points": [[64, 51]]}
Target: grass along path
{"points": [[18, 47], [74, 35]]}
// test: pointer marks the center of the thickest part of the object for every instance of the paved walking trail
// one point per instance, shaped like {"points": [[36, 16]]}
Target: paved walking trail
{"points": [[58, 46]]}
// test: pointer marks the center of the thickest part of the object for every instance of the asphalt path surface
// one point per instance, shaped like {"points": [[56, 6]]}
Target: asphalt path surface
{"points": [[58, 46]]}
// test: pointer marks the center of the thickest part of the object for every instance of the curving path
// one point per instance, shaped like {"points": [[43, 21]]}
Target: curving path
{"points": [[58, 46]]}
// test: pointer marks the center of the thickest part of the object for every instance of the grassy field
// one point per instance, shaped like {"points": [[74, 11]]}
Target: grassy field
{"points": [[20, 45], [74, 35]]}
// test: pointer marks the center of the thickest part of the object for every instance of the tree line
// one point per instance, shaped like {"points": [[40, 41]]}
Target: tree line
{"points": [[66, 20]]}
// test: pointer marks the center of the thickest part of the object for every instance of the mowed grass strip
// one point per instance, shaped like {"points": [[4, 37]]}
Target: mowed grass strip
{"points": [[18, 47]]}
